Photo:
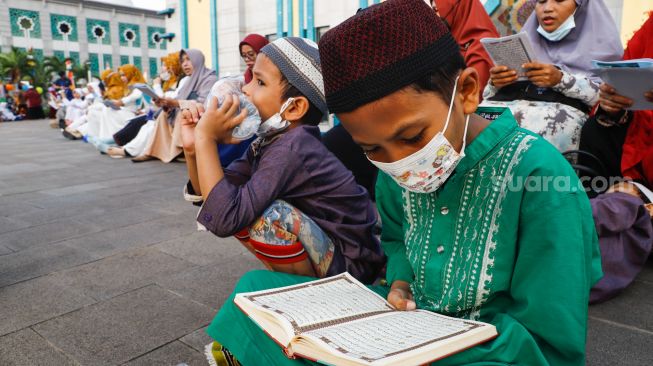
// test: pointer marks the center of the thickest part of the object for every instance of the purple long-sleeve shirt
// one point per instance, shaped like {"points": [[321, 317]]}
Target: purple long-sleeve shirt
{"points": [[626, 239], [298, 169]]}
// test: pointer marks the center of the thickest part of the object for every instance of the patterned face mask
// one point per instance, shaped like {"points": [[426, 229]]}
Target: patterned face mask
{"points": [[427, 169]]}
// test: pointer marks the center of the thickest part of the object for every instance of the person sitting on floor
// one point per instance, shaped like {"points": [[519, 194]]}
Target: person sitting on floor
{"points": [[288, 199], [560, 91], [622, 216], [464, 235]]}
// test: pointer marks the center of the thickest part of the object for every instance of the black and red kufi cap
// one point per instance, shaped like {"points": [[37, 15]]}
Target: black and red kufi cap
{"points": [[380, 50]]}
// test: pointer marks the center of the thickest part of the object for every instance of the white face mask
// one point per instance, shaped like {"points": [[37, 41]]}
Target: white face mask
{"points": [[427, 169], [165, 76], [561, 32], [275, 123]]}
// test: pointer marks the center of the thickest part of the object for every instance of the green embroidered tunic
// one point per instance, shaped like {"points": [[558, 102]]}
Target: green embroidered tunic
{"points": [[509, 239]]}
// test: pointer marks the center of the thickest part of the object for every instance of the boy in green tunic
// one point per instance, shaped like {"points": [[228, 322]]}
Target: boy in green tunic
{"points": [[481, 220]]}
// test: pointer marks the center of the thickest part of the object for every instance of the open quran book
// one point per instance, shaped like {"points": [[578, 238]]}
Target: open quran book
{"points": [[339, 321]]}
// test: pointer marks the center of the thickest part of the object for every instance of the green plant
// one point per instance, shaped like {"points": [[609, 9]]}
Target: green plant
{"points": [[53, 65], [15, 64], [80, 71]]}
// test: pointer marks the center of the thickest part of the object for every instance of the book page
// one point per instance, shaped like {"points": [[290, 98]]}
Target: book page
{"points": [[320, 303], [383, 336], [147, 90], [631, 83], [511, 51]]}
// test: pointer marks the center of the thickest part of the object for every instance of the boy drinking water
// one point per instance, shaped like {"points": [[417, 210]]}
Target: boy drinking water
{"points": [[466, 232], [288, 200]]}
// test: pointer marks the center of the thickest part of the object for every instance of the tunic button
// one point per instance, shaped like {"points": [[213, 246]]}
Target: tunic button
{"points": [[440, 249], [444, 210], [208, 217]]}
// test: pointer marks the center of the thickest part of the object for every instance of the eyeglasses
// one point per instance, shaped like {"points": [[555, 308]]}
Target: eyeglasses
{"points": [[251, 55]]}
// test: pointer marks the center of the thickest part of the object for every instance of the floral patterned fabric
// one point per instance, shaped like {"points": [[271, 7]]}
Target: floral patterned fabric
{"points": [[558, 123]]}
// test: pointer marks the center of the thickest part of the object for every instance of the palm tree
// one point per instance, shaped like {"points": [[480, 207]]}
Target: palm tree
{"points": [[15, 64], [53, 65], [80, 71], [38, 76]]}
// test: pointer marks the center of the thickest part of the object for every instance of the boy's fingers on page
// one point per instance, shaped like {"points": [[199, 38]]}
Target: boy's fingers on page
{"points": [[399, 299]]}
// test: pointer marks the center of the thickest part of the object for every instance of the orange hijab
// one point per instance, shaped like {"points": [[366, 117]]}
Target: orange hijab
{"points": [[132, 73], [171, 62], [115, 87]]}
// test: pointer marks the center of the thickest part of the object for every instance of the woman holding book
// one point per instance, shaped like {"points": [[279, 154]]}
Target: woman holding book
{"points": [[465, 232], [166, 86], [117, 113], [555, 99]]}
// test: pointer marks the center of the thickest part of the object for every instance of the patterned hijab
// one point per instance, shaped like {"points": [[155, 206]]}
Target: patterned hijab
{"points": [[132, 73], [595, 38]]}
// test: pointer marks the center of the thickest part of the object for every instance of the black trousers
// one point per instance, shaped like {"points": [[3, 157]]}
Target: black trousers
{"points": [[606, 143]]}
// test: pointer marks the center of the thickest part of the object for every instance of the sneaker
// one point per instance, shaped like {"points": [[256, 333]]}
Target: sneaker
{"points": [[217, 355], [190, 195]]}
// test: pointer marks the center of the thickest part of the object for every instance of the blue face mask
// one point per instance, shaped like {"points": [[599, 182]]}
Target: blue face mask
{"points": [[560, 33]]}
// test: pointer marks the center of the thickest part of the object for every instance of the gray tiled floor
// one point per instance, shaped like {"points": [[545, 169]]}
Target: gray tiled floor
{"points": [[100, 260], [100, 264]]}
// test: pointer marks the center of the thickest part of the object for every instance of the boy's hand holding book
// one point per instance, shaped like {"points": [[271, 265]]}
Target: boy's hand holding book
{"points": [[217, 122]]}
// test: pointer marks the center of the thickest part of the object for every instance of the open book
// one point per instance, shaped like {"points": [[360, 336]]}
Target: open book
{"points": [[511, 51], [631, 78], [110, 104], [147, 90], [339, 321]]}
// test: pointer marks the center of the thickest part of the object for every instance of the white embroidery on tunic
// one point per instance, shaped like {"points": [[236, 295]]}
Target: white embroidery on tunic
{"points": [[467, 274]]}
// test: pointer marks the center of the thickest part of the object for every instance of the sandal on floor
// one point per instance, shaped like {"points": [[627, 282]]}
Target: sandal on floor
{"points": [[117, 152], [142, 158], [190, 195]]}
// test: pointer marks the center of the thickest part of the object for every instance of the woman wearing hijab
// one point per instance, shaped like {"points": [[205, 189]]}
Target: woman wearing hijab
{"points": [[555, 100], [249, 49], [115, 89], [117, 113], [165, 143], [469, 22], [173, 79]]}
